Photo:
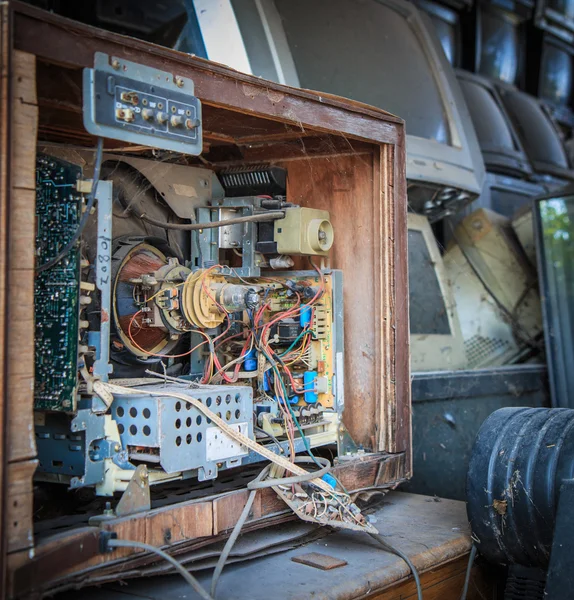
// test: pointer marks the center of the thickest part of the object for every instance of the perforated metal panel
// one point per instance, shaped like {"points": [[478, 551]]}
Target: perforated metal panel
{"points": [[177, 435]]}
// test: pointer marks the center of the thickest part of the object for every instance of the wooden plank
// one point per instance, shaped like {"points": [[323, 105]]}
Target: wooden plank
{"points": [[21, 235], [66, 42], [5, 138], [444, 581], [189, 525], [19, 518]]}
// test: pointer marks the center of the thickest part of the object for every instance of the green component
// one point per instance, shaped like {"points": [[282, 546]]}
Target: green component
{"points": [[56, 290]]}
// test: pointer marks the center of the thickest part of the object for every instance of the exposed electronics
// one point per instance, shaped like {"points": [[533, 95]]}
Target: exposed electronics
{"points": [[178, 285], [436, 339], [142, 105], [495, 290]]}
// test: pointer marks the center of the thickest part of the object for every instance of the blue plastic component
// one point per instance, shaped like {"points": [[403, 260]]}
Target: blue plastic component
{"points": [[309, 378], [330, 480], [266, 384], [293, 399], [305, 316], [250, 360]]}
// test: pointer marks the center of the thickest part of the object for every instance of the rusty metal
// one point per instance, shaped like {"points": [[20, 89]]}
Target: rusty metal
{"points": [[136, 498], [319, 561]]}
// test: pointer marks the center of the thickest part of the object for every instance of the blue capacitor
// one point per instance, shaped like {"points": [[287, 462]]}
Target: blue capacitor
{"points": [[266, 384], [305, 316], [250, 360], [309, 378], [330, 480]]}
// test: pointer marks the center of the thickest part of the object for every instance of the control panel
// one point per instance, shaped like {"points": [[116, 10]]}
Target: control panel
{"points": [[142, 105]]}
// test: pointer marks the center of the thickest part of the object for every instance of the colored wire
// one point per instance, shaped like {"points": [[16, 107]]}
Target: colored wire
{"points": [[208, 340], [84, 220]]}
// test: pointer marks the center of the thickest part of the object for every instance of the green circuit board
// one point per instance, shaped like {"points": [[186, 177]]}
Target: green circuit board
{"points": [[57, 290]]}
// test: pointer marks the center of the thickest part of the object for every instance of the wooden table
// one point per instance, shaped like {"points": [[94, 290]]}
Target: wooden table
{"points": [[433, 532]]}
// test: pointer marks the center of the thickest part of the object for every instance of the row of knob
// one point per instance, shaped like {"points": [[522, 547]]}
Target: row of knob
{"points": [[128, 115]]}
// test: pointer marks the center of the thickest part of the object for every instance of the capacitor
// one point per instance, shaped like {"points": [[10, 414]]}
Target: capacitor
{"points": [[250, 360], [305, 315], [309, 378]]}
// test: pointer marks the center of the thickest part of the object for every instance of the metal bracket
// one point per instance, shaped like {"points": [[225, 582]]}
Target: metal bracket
{"points": [[136, 498], [102, 366]]}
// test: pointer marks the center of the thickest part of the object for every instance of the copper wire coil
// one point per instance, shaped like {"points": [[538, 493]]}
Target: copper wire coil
{"points": [[140, 264], [147, 338]]}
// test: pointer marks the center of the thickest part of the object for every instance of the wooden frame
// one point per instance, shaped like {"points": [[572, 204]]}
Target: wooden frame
{"points": [[341, 155]]}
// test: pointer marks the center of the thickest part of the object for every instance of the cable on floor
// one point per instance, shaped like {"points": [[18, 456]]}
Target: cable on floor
{"points": [[402, 555], [259, 483], [468, 571], [115, 543]]}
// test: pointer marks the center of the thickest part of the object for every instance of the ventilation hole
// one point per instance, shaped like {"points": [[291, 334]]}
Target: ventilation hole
{"points": [[188, 438], [187, 406], [219, 415], [120, 428], [208, 421], [146, 413], [120, 411], [237, 398], [133, 412], [178, 406], [15, 523], [177, 423], [208, 401], [218, 400], [237, 414], [133, 429], [228, 415], [188, 422], [228, 399], [15, 504], [57, 463], [198, 420], [199, 437], [146, 430], [178, 441]]}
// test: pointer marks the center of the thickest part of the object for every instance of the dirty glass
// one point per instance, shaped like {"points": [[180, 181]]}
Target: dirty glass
{"points": [[369, 52], [556, 231]]}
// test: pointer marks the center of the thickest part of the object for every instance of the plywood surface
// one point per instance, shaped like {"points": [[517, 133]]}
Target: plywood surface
{"points": [[433, 533]]}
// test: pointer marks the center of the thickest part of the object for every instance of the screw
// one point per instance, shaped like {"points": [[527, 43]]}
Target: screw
{"points": [[115, 64], [179, 82], [117, 448]]}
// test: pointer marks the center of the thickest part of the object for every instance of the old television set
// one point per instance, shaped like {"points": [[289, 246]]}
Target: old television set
{"points": [[391, 59], [436, 338], [501, 148], [557, 17], [550, 73], [495, 32], [445, 17], [538, 134], [494, 288]]}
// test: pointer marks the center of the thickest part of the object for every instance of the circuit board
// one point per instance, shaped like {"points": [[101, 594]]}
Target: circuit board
{"points": [[57, 290]]}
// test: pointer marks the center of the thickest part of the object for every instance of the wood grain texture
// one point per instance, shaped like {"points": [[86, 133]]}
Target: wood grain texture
{"points": [[21, 236], [19, 521], [444, 582], [5, 138]]}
